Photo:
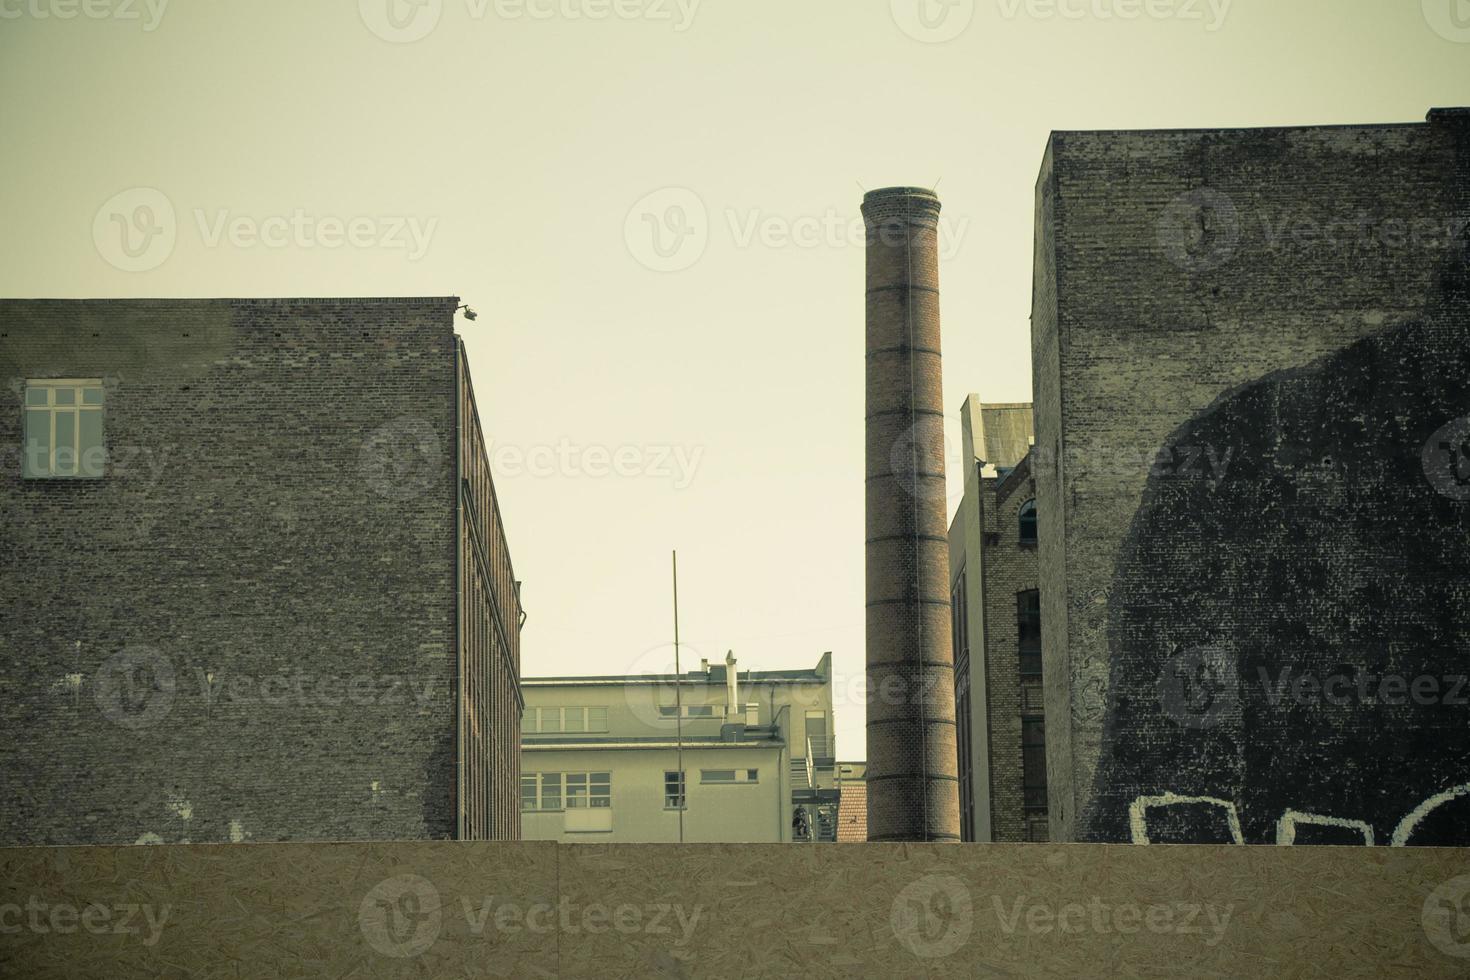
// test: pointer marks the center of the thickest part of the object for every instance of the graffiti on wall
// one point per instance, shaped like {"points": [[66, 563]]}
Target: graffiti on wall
{"points": [[1290, 639]]}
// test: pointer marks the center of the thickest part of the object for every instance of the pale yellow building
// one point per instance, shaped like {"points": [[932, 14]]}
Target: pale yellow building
{"points": [[601, 757]]}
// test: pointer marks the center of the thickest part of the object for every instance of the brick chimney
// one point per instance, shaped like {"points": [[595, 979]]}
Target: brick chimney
{"points": [[913, 785]]}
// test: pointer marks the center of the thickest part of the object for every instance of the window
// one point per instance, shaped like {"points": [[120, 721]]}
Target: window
{"points": [[1033, 764], [540, 791], [589, 790], [1033, 698], [63, 429], [729, 775], [574, 721], [1027, 518], [673, 790], [959, 618], [1028, 631], [693, 710]]}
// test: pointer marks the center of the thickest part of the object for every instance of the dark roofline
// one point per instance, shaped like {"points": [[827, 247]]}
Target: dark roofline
{"points": [[186, 301], [692, 677], [819, 673], [1433, 115]]}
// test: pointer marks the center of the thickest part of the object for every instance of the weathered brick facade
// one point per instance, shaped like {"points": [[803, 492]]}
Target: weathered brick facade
{"points": [[913, 786], [248, 627], [993, 579], [1010, 573], [1250, 352]]}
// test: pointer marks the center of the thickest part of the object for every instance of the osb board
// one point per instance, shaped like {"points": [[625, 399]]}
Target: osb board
{"points": [[422, 909], [1021, 910], [445, 909]]}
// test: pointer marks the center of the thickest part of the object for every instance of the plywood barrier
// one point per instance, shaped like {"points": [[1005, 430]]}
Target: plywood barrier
{"points": [[450, 910]]}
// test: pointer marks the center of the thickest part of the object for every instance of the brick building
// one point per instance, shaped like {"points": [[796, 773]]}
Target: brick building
{"points": [[852, 813], [256, 585], [1250, 352], [997, 630]]}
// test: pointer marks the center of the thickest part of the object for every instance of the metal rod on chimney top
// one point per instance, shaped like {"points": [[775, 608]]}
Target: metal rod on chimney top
{"points": [[679, 706]]}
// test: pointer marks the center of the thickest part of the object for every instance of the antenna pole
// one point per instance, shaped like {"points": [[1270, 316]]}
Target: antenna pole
{"points": [[679, 706]]}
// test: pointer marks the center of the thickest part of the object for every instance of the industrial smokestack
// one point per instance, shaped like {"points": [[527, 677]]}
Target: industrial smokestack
{"points": [[913, 784]]}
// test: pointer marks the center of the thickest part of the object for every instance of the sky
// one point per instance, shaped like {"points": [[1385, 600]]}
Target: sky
{"points": [[652, 205]]}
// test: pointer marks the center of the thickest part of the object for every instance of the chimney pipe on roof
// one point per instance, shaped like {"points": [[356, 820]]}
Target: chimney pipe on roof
{"points": [[732, 687]]}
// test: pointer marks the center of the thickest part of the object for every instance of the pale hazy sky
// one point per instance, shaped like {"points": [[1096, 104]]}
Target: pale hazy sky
{"points": [[521, 153]]}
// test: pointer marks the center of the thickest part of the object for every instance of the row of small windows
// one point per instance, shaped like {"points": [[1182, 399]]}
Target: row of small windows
{"points": [[566, 790], [560, 720]]}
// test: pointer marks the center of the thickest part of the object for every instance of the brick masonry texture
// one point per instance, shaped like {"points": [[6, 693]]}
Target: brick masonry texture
{"points": [[912, 778], [246, 630], [1250, 352], [1010, 569]]}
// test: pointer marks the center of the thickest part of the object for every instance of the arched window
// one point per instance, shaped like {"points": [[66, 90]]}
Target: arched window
{"points": [[1028, 522]]}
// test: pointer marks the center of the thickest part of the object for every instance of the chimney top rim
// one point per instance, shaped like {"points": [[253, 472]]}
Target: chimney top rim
{"points": [[884, 193]]}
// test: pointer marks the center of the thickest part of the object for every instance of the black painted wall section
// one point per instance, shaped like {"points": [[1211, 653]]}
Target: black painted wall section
{"points": [[1253, 474], [1291, 633]]}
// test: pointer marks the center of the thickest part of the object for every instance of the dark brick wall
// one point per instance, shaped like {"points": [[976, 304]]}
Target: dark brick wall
{"points": [[1244, 345], [246, 630], [1010, 568]]}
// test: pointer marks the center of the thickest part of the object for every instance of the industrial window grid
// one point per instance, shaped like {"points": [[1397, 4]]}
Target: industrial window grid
{"points": [[674, 792]]}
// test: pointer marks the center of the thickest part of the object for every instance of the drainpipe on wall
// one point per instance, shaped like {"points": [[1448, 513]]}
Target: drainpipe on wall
{"points": [[782, 776]]}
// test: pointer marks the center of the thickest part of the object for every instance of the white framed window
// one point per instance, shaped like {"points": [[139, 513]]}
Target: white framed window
{"points": [[674, 798], [541, 791], [693, 710], [729, 775], [590, 719], [589, 790], [63, 429]]}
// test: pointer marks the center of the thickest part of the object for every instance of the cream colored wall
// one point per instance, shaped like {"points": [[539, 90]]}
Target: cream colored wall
{"points": [[716, 813], [737, 813], [965, 554]]}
